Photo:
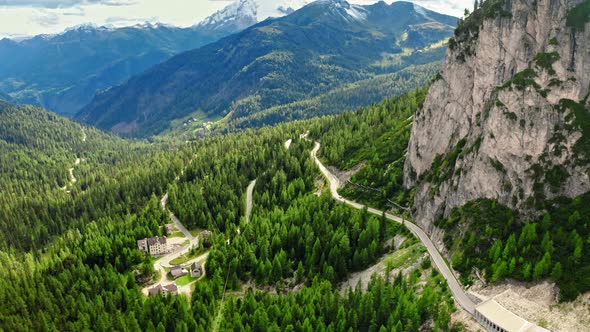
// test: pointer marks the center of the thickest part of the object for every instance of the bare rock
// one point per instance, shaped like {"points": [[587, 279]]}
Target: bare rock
{"points": [[507, 134]]}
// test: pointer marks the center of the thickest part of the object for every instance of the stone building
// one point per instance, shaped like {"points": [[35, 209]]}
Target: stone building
{"points": [[153, 245]]}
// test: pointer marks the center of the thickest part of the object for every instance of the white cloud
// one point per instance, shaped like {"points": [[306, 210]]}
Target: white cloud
{"points": [[61, 3], [32, 17], [29, 17], [449, 7]]}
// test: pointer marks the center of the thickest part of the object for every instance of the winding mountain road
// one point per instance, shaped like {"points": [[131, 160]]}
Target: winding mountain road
{"points": [[458, 293]]}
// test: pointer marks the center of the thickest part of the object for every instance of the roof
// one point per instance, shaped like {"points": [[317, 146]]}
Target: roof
{"points": [[171, 287], [158, 289], [156, 239], [195, 265], [177, 271], [504, 318], [155, 290]]}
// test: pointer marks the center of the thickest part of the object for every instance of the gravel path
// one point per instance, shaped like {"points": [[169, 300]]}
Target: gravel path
{"points": [[249, 193]]}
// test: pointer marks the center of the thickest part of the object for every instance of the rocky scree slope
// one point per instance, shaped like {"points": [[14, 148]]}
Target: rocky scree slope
{"points": [[508, 118]]}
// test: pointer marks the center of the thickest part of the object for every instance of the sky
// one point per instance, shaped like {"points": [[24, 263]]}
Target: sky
{"points": [[20, 18]]}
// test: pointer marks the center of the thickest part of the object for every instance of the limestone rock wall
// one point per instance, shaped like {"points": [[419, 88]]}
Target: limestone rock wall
{"points": [[507, 135]]}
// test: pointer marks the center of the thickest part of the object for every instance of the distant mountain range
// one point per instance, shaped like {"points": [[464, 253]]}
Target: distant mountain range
{"points": [[63, 72], [314, 50]]}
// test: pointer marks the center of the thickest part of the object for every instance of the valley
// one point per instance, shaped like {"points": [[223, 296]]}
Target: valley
{"points": [[283, 69], [301, 166]]}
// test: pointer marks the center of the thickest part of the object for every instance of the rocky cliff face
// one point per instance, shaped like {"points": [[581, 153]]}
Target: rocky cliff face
{"points": [[508, 118]]}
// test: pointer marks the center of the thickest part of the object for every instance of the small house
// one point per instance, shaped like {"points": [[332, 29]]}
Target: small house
{"points": [[170, 289], [177, 272], [164, 290], [155, 290]]}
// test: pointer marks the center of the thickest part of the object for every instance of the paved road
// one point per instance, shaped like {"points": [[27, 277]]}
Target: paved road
{"points": [[249, 192], [456, 289], [179, 226]]}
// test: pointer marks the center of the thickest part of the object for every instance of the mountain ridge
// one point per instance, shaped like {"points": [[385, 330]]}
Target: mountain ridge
{"points": [[277, 61], [98, 57]]}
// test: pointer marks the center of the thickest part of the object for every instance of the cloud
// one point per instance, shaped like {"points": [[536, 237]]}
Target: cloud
{"points": [[74, 11], [450, 7], [126, 21], [62, 3], [33, 17], [46, 19]]}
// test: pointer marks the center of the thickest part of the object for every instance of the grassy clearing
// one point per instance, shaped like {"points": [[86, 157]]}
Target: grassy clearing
{"points": [[405, 256], [218, 318], [176, 234], [184, 280], [154, 259]]}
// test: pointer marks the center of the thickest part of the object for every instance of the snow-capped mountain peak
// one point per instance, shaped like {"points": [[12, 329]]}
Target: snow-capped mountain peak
{"points": [[355, 12], [237, 16], [243, 13], [88, 27]]}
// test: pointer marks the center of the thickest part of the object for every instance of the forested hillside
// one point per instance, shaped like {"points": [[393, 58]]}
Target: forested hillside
{"points": [[39, 199], [346, 98], [80, 269], [74, 200], [5, 97], [374, 140], [553, 246]]}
